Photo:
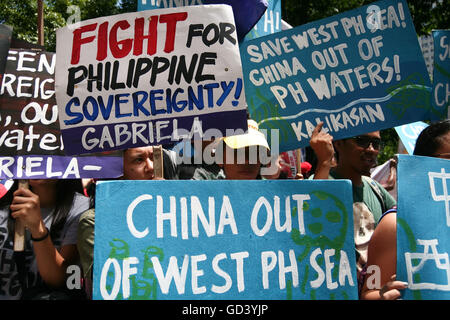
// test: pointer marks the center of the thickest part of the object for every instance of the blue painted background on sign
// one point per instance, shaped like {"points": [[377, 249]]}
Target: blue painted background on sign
{"points": [[423, 227], [269, 23], [408, 134], [357, 72], [221, 254], [441, 70]]}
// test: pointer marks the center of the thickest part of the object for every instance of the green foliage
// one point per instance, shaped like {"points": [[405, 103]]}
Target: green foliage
{"points": [[22, 15], [390, 141], [426, 14]]}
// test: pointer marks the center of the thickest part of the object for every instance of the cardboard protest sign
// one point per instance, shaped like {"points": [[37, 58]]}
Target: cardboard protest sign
{"points": [[290, 159], [269, 23], [427, 46], [272, 239], [30, 139], [359, 71], [423, 227], [408, 134], [441, 71], [150, 77], [246, 13]]}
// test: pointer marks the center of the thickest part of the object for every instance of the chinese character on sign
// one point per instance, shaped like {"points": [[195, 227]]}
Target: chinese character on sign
{"points": [[441, 262], [444, 196]]}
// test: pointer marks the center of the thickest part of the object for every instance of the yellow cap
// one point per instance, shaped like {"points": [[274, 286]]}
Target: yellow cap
{"points": [[253, 137]]}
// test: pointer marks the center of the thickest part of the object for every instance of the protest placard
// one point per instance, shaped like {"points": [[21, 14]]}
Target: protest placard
{"points": [[408, 134], [359, 71], [150, 77], [423, 227], [261, 239], [427, 46], [30, 139], [246, 13], [269, 23], [441, 71]]}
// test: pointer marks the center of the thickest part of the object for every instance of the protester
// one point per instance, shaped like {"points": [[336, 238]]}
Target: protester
{"points": [[386, 175], [242, 153], [49, 210], [194, 166], [433, 141], [137, 165], [355, 157]]}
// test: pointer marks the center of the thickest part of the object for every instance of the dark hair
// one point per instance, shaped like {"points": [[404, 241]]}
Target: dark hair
{"points": [[65, 193], [429, 139]]}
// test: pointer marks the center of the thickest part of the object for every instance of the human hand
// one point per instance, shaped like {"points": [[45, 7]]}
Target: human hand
{"points": [[390, 290], [26, 206], [299, 176], [322, 144]]}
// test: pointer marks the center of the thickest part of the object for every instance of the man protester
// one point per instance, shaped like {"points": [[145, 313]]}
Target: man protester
{"points": [[138, 164], [352, 159]]}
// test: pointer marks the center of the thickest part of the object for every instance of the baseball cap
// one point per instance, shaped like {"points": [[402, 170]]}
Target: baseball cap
{"points": [[253, 137]]}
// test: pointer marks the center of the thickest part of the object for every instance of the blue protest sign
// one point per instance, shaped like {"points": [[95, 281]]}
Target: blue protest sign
{"points": [[246, 13], [408, 134], [359, 71], [224, 240], [269, 23], [441, 70], [423, 227]]}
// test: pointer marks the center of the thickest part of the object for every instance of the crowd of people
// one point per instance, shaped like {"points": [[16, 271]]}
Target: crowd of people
{"points": [[60, 214]]}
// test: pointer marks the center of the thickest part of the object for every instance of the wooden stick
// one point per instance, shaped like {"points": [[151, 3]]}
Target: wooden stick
{"points": [[298, 153], [40, 22], [19, 228], [158, 162]]}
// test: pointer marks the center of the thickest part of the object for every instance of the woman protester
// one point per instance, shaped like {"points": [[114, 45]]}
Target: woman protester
{"points": [[49, 209]]}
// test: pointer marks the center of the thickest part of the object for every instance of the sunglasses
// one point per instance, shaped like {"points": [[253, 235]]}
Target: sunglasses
{"points": [[366, 141]]}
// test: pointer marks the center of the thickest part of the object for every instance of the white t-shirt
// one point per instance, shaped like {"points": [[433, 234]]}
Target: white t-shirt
{"points": [[10, 288]]}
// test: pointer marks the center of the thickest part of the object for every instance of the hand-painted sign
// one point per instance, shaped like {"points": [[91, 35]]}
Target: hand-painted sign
{"points": [[269, 23], [408, 134], [423, 227], [359, 71], [427, 47], [441, 71], [246, 13], [272, 239], [149, 77], [30, 139]]}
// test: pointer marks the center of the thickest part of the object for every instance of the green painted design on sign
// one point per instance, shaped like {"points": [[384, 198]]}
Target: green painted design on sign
{"points": [[407, 94], [335, 216], [413, 247]]}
